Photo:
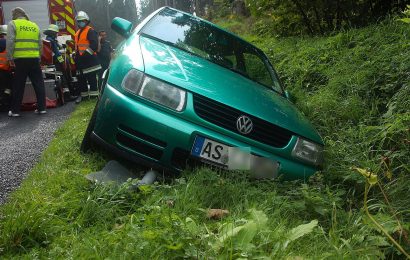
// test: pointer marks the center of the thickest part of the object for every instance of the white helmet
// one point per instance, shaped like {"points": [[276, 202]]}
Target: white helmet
{"points": [[81, 16], [53, 28], [3, 29]]}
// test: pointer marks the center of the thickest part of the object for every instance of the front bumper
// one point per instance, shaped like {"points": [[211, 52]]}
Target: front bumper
{"points": [[146, 133]]}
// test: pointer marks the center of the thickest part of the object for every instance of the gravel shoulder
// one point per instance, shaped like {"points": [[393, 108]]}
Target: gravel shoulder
{"points": [[22, 140]]}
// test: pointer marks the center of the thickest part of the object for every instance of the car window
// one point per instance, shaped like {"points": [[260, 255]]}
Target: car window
{"points": [[202, 39], [257, 70]]}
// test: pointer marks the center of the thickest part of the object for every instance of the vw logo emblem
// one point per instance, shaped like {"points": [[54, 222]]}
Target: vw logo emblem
{"points": [[244, 125]]}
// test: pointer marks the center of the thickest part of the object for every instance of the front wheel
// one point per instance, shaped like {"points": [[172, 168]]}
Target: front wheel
{"points": [[87, 142]]}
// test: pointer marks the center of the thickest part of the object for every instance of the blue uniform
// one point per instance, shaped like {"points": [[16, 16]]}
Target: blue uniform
{"points": [[54, 46]]}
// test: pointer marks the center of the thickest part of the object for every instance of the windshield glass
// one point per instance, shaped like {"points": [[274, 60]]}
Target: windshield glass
{"points": [[204, 40]]}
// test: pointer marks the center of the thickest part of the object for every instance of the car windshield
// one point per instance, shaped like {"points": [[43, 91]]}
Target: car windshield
{"points": [[202, 39]]}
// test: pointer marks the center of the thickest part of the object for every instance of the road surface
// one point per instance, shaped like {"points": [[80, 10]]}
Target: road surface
{"points": [[22, 140]]}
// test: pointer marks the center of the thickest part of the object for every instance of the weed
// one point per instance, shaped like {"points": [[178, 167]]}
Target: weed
{"points": [[353, 86]]}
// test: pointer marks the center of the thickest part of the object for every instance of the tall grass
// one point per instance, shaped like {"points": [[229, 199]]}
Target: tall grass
{"points": [[353, 86]]}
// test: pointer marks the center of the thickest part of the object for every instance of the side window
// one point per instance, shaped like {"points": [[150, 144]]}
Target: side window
{"points": [[257, 70], [231, 60]]}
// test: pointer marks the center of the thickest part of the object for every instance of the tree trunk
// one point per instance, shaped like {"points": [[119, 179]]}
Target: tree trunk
{"points": [[318, 19], [304, 15]]}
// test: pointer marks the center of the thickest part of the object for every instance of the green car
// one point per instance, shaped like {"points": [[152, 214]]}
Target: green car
{"points": [[182, 91]]}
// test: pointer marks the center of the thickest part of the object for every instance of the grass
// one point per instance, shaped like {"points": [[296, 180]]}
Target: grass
{"points": [[353, 86]]}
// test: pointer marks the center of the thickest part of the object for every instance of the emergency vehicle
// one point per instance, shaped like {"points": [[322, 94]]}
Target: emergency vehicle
{"points": [[43, 13]]}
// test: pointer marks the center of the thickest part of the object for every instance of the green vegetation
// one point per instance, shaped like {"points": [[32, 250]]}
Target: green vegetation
{"points": [[354, 86]]}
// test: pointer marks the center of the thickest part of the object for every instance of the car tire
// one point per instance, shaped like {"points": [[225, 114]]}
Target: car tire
{"points": [[87, 143]]}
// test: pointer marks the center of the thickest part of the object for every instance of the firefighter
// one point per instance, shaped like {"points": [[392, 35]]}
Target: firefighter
{"points": [[86, 60], [23, 53], [5, 72], [51, 36]]}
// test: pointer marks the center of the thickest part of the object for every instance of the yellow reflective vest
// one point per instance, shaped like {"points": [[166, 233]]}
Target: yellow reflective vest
{"points": [[27, 39]]}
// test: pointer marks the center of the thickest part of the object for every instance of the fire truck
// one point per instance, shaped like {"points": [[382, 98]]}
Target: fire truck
{"points": [[43, 13]]}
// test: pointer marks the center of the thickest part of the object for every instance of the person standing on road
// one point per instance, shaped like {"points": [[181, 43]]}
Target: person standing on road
{"points": [[5, 71], [23, 53], [58, 59], [104, 54], [86, 60]]}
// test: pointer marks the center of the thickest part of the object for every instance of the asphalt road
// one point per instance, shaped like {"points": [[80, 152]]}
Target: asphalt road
{"points": [[22, 140]]}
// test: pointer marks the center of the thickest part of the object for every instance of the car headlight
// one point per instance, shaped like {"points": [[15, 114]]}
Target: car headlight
{"points": [[155, 90], [308, 151]]}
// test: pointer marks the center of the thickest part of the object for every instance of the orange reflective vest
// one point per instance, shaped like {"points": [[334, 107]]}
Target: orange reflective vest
{"points": [[4, 63], [81, 41]]}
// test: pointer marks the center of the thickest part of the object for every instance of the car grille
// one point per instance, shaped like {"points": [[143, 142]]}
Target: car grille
{"points": [[138, 146], [226, 117]]}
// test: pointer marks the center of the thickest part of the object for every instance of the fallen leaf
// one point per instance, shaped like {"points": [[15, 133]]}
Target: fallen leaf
{"points": [[217, 213]]}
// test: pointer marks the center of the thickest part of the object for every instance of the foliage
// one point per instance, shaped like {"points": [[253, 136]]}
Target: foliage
{"points": [[296, 17], [406, 13], [354, 86]]}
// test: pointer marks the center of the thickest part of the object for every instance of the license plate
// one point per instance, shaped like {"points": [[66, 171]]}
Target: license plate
{"points": [[234, 158], [210, 150]]}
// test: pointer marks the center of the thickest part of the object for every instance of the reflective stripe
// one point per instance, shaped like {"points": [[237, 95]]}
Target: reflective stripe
{"points": [[25, 49], [90, 51], [92, 69], [26, 40], [84, 94], [94, 93]]}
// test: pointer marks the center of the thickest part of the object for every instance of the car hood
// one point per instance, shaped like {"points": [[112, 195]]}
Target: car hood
{"points": [[218, 83]]}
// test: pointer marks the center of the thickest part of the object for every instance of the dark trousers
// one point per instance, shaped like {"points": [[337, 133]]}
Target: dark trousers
{"points": [[5, 83], [91, 78], [5, 80], [28, 67]]}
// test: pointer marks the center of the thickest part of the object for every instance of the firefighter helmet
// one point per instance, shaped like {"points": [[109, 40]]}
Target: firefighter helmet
{"points": [[53, 28], [81, 16], [3, 29]]}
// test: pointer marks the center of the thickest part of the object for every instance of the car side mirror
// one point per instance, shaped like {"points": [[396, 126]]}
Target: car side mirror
{"points": [[289, 96], [121, 26]]}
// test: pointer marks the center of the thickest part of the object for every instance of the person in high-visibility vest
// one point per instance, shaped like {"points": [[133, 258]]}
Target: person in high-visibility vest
{"points": [[86, 60], [23, 53], [58, 59], [5, 72], [70, 54]]}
